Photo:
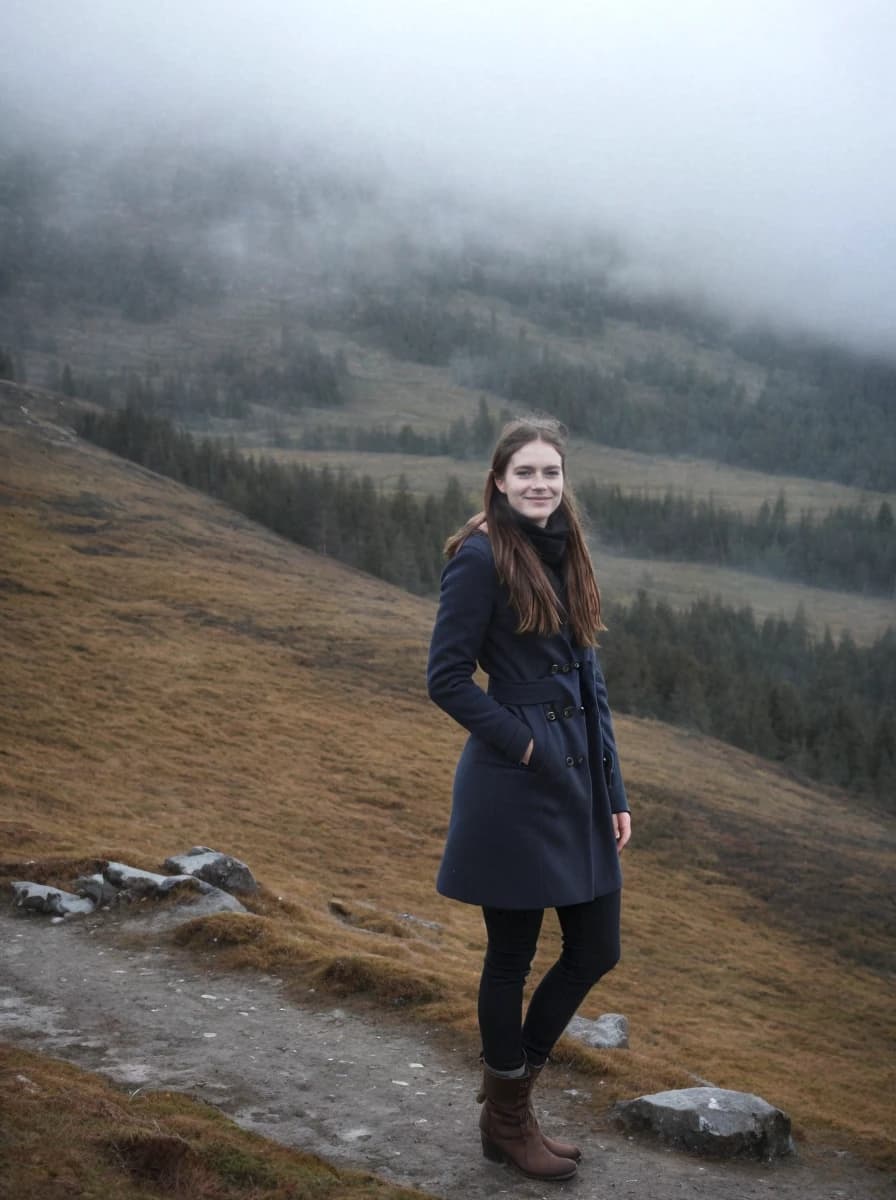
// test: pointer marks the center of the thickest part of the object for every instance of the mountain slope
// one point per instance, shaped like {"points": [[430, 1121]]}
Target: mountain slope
{"points": [[175, 675]]}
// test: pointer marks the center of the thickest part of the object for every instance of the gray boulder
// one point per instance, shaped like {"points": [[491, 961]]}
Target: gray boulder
{"points": [[212, 900], [38, 897], [608, 1032], [137, 882], [711, 1121], [134, 884], [96, 888], [215, 900], [221, 870]]}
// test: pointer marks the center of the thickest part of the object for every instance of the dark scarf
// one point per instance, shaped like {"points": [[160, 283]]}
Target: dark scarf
{"points": [[550, 546]]}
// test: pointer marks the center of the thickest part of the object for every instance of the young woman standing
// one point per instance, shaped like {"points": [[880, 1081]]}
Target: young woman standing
{"points": [[539, 813]]}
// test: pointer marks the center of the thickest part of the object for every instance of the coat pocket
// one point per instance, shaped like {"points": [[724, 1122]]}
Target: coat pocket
{"points": [[549, 755], [485, 754]]}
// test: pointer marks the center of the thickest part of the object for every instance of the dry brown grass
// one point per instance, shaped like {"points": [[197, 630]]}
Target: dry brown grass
{"points": [[68, 1133], [174, 675]]}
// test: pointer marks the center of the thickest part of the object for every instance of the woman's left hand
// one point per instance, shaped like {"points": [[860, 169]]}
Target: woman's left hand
{"points": [[622, 828]]}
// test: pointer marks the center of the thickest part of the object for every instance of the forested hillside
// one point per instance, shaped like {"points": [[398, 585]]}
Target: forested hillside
{"points": [[91, 244], [825, 709]]}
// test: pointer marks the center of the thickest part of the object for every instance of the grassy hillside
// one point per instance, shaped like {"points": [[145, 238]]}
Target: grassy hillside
{"points": [[68, 1133], [174, 675]]}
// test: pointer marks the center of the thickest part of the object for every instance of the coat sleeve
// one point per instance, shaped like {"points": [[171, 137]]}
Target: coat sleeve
{"points": [[469, 587], [612, 772]]}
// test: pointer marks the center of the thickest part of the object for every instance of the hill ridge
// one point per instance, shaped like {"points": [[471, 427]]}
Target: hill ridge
{"points": [[129, 722]]}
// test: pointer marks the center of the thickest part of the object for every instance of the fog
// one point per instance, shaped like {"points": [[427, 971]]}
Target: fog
{"points": [[744, 151]]}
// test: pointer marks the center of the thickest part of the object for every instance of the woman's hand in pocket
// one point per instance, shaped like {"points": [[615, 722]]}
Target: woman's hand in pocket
{"points": [[525, 759]]}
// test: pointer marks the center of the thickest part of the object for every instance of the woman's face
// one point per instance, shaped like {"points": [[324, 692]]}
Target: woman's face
{"points": [[533, 481]]}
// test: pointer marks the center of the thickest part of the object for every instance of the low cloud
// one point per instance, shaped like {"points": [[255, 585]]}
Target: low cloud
{"points": [[745, 151]]}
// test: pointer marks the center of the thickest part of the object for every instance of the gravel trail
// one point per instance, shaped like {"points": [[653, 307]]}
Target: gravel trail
{"points": [[356, 1089]]}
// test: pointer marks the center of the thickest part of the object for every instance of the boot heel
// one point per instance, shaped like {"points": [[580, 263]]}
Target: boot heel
{"points": [[491, 1151]]}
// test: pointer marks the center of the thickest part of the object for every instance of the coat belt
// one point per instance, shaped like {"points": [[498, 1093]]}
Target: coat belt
{"points": [[553, 689]]}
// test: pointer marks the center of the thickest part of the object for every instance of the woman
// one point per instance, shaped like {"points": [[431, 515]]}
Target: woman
{"points": [[539, 814]]}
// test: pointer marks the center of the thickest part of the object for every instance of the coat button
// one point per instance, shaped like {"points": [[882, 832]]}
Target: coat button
{"points": [[568, 711], [576, 666], [555, 667], [570, 761], [566, 668], [552, 716], [580, 760], [581, 708]]}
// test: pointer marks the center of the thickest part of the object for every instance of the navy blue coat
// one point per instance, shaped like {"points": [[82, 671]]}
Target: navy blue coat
{"points": [[536, 836]]}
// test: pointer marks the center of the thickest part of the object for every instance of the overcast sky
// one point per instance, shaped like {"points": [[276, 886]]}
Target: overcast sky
{"points": [[748, 148]]}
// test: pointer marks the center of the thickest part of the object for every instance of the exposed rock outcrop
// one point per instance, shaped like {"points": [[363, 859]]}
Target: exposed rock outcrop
{"points": [[710, 1120], [119, 883], [221, 870], [608, 1032], [40, 898], [97, 888]]}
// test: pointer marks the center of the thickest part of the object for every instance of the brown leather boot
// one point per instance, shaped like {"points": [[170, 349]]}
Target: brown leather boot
{"points": [[510, 1132], [561, 1149]]}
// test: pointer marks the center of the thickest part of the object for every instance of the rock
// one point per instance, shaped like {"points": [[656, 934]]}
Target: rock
{"points": [[96, 888], [608, 1032], [119, 882], [710, 1120], [38, 897], [170, 882], [136, 883], [132, 879], [213, 900], [222, 870]]}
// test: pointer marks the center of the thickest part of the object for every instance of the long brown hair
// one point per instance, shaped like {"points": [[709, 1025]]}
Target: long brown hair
{"points": [[517, 561]]}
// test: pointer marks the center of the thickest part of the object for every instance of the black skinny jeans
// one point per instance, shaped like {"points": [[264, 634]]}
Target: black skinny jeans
{"points": [[590, 949]]}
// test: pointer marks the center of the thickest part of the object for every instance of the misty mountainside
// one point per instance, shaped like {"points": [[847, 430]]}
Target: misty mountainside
{"points": [[319, 318], [298, 303], [177, 674]]}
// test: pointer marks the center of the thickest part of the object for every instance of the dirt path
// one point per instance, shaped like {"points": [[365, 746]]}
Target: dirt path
{"points": [[353, 1089]]}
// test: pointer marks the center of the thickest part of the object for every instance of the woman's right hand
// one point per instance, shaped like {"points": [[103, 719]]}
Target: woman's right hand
{"points": [[525, 759]]}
